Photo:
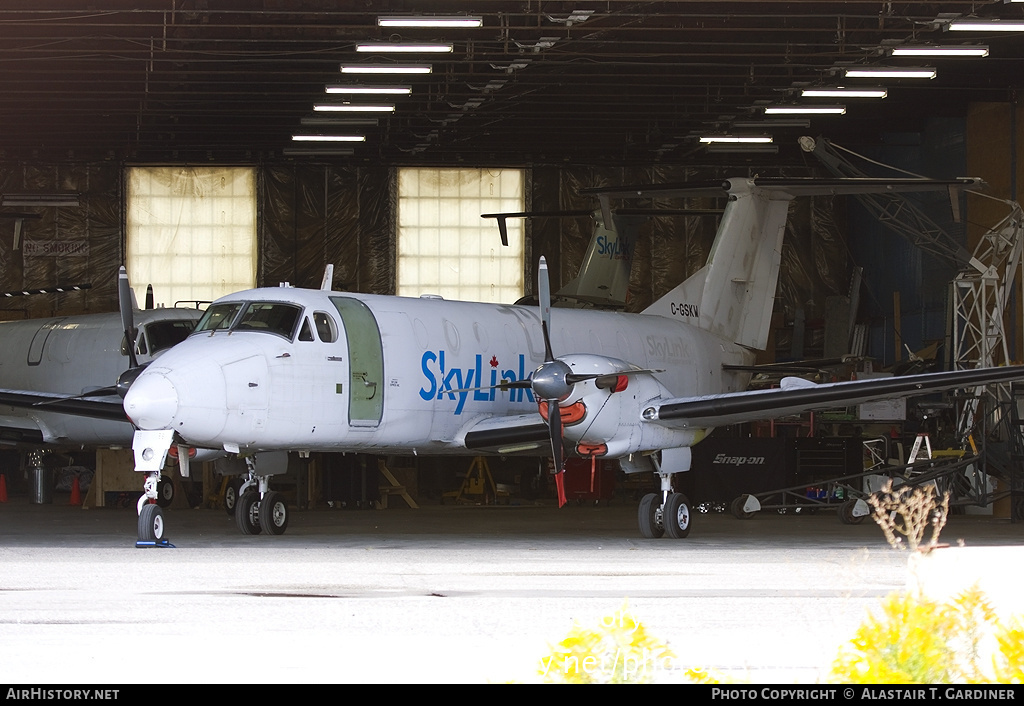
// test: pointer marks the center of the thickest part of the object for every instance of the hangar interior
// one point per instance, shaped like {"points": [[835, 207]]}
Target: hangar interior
{"points": [[570, 96]]}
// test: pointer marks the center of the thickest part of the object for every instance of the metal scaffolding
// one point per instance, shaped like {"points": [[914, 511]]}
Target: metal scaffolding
{"points": [[980, 297]]}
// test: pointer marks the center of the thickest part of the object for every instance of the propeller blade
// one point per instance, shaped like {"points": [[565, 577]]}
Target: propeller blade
{"points": [[124, 298], [98, 392], [544, 295], [604, 379], [555, 432], [525, 384]]}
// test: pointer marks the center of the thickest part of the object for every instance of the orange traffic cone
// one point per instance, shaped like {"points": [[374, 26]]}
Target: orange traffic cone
{"points": [[76, 493], [3, 488]]}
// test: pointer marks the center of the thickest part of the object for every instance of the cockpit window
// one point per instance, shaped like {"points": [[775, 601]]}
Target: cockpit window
{"points": [[164, 334], [272, 317], [219, 317]]}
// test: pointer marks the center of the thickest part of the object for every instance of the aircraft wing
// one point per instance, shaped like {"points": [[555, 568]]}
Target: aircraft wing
{"points": [[110, 407], [507, 435], [15, 429], [797, 395]]}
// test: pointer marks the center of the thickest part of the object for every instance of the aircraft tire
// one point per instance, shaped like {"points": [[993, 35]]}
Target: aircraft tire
{"points": [[231, 495], [151, 523], [164, 492], [846, 515], [647, 516], [677, 516], [737, 508], [247, 512], [273, 513]]}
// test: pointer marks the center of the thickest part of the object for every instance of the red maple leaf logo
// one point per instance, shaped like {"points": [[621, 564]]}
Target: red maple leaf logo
{"points": [[494, 361]]}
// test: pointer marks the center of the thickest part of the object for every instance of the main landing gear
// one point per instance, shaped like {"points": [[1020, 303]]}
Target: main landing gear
{"points": [[259, 509], [666, 512]]}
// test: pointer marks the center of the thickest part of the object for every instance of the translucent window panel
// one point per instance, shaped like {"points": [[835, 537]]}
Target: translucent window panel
{"points": [[191, 231], [446, 248]]}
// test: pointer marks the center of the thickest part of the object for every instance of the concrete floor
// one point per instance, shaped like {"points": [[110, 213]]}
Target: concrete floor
{"points": [[442, 594]]}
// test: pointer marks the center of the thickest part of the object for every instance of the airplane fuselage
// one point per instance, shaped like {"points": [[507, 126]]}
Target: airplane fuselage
{"points": [[331, 371], [73, 355]]}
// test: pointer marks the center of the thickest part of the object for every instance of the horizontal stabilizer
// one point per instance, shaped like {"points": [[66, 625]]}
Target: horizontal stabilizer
{"points": [[790, 186]]}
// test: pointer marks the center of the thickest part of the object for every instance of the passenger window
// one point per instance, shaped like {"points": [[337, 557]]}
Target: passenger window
{"points": [[325, 327]]}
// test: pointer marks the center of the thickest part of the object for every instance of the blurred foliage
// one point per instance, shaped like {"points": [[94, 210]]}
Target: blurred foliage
{"points": [[916, 640], [618, 650]]}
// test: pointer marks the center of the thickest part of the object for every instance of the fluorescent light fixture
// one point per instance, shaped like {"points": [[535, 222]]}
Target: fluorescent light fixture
{"points": [[891, 72], [393, 48], [370, 90], [986, 26], [337, 122], [763, 149], [330, 152], [353, 108], [329, 138], [386, 68], [70, 200], [744, 139], [804, 109], [763, 124], [431, 21], [842, 92], [953, 51]]}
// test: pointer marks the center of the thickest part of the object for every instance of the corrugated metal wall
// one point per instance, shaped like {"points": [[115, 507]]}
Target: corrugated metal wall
{"points": [[897, 272]]}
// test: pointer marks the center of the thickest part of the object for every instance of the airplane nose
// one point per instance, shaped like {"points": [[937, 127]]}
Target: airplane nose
{"points": [[151, 402]]}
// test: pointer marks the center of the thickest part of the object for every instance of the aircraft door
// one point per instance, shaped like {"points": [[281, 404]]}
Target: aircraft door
{"points": [[365, 360], [35, 349]]}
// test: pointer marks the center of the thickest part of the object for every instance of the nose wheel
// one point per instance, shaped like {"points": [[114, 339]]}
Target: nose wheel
{"points": [[151, 524]]}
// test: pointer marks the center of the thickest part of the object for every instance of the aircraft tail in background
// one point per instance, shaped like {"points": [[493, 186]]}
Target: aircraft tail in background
{"points": [[603, 279], [734, 293]]}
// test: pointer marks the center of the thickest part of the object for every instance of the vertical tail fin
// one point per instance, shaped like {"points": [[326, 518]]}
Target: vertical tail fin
{"points": [[733, 294], [603, 278]]}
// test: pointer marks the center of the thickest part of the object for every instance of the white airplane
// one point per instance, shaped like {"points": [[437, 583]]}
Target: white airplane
{"points": [[281, 369], [78, 360]]}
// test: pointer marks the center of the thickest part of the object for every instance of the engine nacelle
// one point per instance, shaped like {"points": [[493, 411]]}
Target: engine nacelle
{"points": [[602, 415]]}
